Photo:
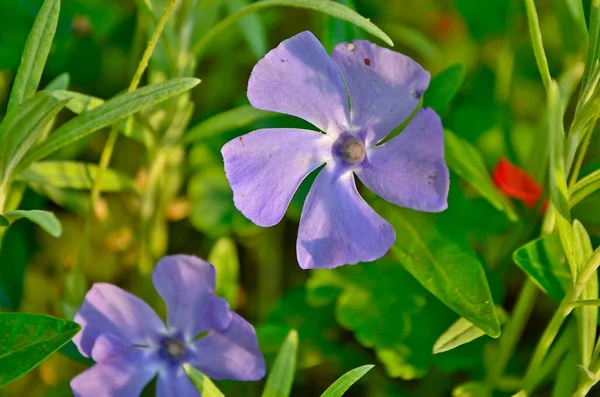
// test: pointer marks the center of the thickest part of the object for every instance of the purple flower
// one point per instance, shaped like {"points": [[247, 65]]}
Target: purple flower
{"points": [[357, 97], [131, 344]]}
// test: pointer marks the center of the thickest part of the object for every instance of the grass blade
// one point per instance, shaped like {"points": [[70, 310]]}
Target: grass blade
{"points": [[279, 382], [204, 385], [339, 387], [35, 54]]}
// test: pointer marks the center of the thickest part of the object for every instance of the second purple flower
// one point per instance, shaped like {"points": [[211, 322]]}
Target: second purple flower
{"points": [[357, 97]]}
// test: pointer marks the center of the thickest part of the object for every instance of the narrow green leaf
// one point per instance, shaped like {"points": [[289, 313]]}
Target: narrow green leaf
{"points": [[443, 262], [61, 82], [336, 31], [460, 333], [566, 377], [224, 257], [587, 317], [27, 339], [443, 88], [23, 126], [235, 118], [413, 38], [79, 102], [325, 6], [537, 43], [35, 54], [584, 187], [203, 383], [4, 222], [75, 175], [252, 28], [340, 386], [544, 261], [281, 377], [46, 220], [559, 193], [464, 159], [112, 111]]}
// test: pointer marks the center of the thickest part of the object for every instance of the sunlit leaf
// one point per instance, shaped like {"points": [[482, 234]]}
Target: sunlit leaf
{"points": [[443, 88], [235, 118], [545, 263], [280, 379], [559, 193], [444, 262], [23, 126], [78, 103], [224, 257], [340, 386], [46, 220], [325, 6], [75, 175], [35, 54], [61, 82], [584, 187], [27, 339], [464, 159], [203, 383], [112, 111]]}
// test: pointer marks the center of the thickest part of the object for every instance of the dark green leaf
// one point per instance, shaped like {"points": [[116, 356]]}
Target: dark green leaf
{"points": [[281, 376], [545, 263], [464, 159], [27, 339], [229, 120], [340, 386], [75, 175], [444, 262], [35, 54], [443, 88], [46, 220], [112, 111], [203, 383], [3, 221], [387, 310], [325, 6], [224, 257]]}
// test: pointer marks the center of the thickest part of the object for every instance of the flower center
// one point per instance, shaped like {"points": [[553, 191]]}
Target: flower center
{"points": [[173, 349], [349, 149]]}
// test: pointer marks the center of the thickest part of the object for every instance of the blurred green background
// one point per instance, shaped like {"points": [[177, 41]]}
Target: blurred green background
{"points": [[372, 313]]}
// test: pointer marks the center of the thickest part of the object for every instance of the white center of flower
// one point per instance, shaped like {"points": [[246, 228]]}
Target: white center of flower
{"points": [[350, 149], [174, 348]]}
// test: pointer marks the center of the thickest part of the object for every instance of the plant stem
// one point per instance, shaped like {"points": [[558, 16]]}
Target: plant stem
{"points": [[513, 331], [564, 309], [537, 42], [592, 53]]}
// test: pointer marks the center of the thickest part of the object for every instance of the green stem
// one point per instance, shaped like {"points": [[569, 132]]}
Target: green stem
{"points": [[586, 302], [564, 309], [537, 42], [592, 53], [513, 331], [580, 156]]}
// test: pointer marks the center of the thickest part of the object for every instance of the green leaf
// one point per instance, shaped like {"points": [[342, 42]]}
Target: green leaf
{"points": [[336, 31], [444, 262], [443, 88], [325, 6], [112, 111], [281, 377], [461, 332], [339, 387], [46, 220], [75, 175], [61, 82], [413, 38], [22, 127], [203, 383], [559, 193], [567, 375], [3, 221], [464, 159], [79, 102], [472, 389], [27, 339], [584, 187], [545, 263], [387, 310], [587, 317], [224, 257], [252, 28], [235, 118], [35, 54]]}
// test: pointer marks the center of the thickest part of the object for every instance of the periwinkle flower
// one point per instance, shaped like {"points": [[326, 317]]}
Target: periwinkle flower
{"points": [[131, 344], [357, 97]]}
